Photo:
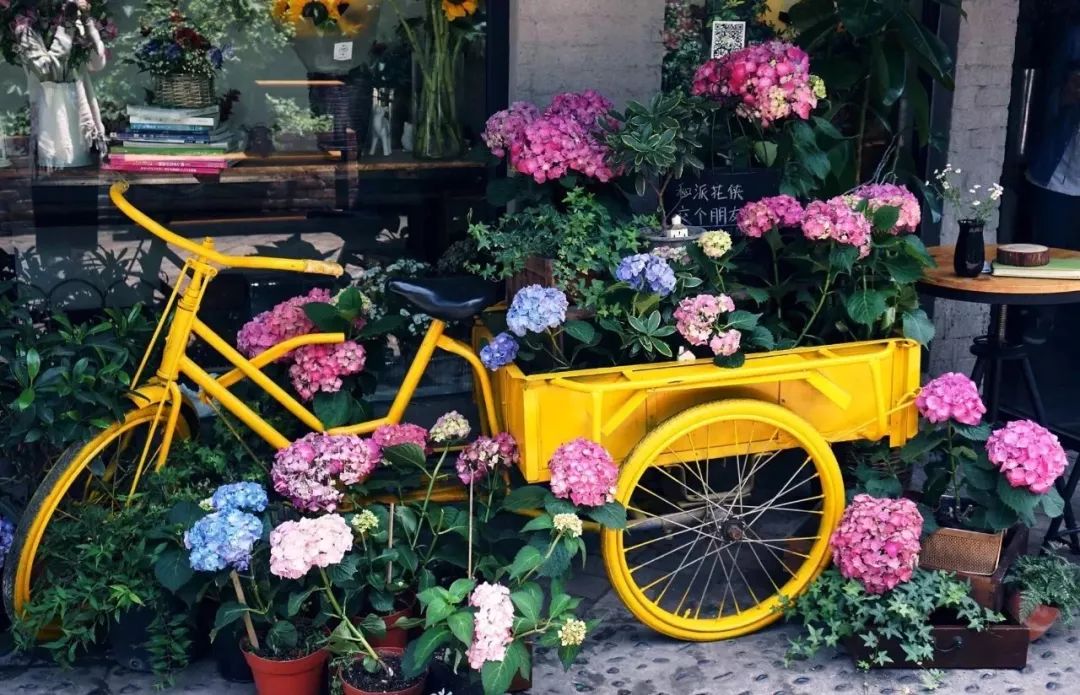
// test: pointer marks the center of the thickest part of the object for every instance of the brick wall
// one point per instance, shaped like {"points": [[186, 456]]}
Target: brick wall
{"points": [[562, 45], [980, 113]]}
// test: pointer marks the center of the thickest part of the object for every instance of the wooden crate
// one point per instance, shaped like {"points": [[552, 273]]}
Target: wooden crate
{"points": [[998, 646]]}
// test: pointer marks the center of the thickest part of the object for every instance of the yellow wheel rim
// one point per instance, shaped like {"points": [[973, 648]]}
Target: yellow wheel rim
{"points": [[731, 507], [70, 482]]}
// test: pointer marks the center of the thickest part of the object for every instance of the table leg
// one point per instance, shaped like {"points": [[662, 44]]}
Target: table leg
{"points": [[995, 338]]}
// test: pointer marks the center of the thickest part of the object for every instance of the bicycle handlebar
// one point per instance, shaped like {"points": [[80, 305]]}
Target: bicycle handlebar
{"points": [[293, 265]]}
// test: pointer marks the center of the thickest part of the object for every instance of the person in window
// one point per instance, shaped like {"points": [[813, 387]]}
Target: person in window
{"points": [[1054, 170]]}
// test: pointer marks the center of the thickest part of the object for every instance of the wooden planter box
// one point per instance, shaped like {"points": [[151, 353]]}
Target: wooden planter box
{"points": [[998, 646], [989, 589]]}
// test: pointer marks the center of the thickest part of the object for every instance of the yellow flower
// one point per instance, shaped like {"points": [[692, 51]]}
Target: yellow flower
{"points": [[572, 633], [456, 9]]}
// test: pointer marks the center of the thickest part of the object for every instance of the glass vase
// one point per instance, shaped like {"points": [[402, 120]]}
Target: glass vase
{"points": [[970, 254], [438, 132]]}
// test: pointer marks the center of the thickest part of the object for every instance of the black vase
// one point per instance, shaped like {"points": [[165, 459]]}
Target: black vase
{"points": [[970, 255]]}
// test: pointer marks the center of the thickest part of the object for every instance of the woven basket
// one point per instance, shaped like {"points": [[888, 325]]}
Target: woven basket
{"points": [[959, 550], [184, 91]]}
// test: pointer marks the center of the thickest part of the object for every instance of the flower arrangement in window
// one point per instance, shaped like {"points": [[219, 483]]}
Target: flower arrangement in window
{"points": [[323, 15], [174, 45]]}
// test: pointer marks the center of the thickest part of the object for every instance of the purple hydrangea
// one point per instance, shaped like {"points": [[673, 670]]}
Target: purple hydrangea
{"points": [[246, 497], [223, 540], [500, 352], [536, 309], [7, 537], [646, 270]]}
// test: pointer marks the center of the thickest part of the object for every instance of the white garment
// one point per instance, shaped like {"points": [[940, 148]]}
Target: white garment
{"points": [[64, 111], [1066, 176]]}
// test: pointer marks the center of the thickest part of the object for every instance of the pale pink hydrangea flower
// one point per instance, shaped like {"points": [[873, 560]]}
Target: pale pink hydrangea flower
{"points": [[298, 546], [485, 455], [286, 320], [696, 317], [306, 471], [319, 368], [506, 127], [767, 82], [726, 343], [583, 472], [879, 195], [834, 220], [1028, 455], [877, 542], [951, 396], [492, 625], [405, 433]]}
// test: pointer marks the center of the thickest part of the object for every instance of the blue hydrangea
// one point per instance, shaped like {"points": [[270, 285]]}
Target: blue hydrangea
{"points": [[223, 540], [500, 352], [536, 309], [7, 537], [246, 497], [644, 270]]}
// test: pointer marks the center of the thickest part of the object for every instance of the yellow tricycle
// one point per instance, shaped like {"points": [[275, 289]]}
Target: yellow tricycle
{"points": [[728, 475]]}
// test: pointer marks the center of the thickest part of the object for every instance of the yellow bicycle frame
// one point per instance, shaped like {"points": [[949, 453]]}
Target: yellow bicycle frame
{"points": [[181, 317]]}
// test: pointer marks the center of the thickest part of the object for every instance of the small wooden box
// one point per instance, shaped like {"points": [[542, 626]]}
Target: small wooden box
{"points": [[998, 646]]}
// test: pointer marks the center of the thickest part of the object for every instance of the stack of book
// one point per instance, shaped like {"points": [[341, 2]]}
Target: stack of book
{"points": [[178, 141]]}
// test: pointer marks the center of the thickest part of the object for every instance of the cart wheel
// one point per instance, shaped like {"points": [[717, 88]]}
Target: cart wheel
{"points": [[731, 506]]}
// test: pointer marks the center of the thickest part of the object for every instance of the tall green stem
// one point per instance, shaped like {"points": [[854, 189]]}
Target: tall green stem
{"points": [[356, 634], [817, 310], [954, 471]]}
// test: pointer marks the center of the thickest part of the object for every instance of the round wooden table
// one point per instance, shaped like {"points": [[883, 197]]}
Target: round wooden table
{"points": [[993, 349]]}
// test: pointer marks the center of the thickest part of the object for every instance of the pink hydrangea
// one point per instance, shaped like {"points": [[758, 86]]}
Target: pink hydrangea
{"points": [[405, 433], [951, 396], [696, 317], [493, 624], [318, 368], [726, 343], [298, 546], [506, 127], [306, 471], [877, 542], [834, 220], [755, 219], [485, 455], [767, 82], [879, 195], [1027, 454], [583, 472], [286, 320]]}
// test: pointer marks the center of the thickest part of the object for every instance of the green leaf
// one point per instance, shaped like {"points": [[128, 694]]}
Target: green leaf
{"points": [[461, 625], [974, 433], [918, 327], [173, 569], [227, 614], [865, 306], [982, 478], [436, 611], [903, 269], [332, 409], [558, 562], [581, 331], [326, 317], [282, 636], [184, 513], [496, 676], [528, 558], [922, 444], [1052, 503], [405, 455], [540, 523], [25, 399], [742, 320], [419, 652], [527, 497], [1020, 500], [885, 218], [297, 600], [343, 572], [861, 18], [528, 604], [33, 364], [611, 515], [890, 70], [929, 51], [842, 257], [763, 338], [460, 589]]}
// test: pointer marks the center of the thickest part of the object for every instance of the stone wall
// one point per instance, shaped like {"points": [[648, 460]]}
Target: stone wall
{"points": [[980, 112], [563, 45]]}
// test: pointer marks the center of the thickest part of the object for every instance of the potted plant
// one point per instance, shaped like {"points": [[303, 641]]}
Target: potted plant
{"points": [[657, 144], [294, 127], [1045, 588], [979, 483], [179, 56], [876, 600], [972, 209]]}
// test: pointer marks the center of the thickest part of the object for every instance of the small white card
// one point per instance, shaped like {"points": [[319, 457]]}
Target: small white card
{"points": [[343, 50], [727, 37]]}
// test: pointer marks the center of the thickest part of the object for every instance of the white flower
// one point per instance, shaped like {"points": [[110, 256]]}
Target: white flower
{"points": [[364, 522], [685, 355], [569, 524], [572, 633], [976, 203], [451, 427], [207, 505], [995, 191]]}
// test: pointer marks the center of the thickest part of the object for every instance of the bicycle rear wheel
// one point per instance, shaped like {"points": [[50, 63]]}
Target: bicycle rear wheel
{"points": [[102, 471]]}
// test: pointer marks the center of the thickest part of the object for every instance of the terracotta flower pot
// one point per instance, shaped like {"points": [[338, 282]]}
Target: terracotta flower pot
{"points": [[416, 688], [1040, 620], [303, 676], [395, 637]]}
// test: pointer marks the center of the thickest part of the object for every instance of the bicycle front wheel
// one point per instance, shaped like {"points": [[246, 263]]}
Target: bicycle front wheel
{"points": [[102, 471]]}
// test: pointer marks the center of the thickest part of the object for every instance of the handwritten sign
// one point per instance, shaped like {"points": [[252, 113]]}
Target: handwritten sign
{"points": [[713, 199]]}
